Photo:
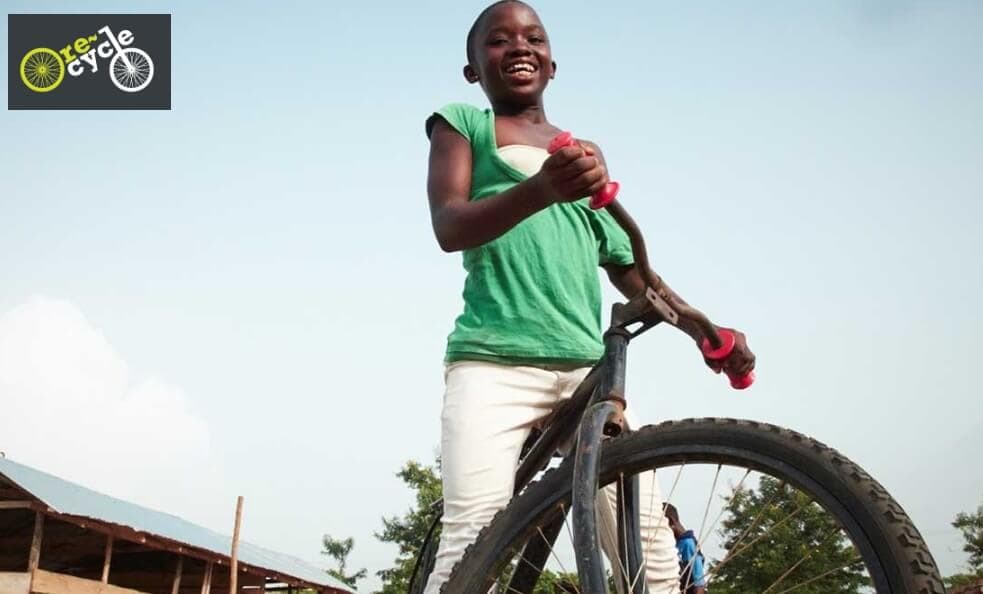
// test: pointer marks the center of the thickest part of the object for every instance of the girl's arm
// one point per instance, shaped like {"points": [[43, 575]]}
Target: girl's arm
{"points": [[460, 223], [627, 280]]}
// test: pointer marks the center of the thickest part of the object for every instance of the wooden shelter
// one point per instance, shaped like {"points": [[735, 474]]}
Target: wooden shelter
{"points": [[57, 537]]}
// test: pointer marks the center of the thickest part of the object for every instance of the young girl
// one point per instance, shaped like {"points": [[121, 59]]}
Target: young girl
{"points": [[531, 326]]}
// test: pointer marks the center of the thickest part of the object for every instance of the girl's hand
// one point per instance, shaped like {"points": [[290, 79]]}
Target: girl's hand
{"points": [[572, 173], [592, 150], [740, 362]]}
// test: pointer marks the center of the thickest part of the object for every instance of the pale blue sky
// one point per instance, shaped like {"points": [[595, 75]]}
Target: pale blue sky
{"points": [[811, 172]]}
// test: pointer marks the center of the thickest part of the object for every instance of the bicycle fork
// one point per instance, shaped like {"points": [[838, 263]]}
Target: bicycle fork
{"points": [[605, 417]]}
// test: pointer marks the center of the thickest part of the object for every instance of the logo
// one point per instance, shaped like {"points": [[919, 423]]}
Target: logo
{"points": [[90, 61]]}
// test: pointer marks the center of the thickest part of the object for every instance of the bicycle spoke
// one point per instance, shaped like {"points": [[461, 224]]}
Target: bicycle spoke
{"points": [[726, 506], [662, 514], [820, 542], [552, 551], [624, 526], [748, 530], [782, 577], [569, 532], [757, 538], [821, 576], [613, 535], [522, 558], [706, 512], [509, 588], [563, 568], [754, 522], [703, 524], [652, 490]]}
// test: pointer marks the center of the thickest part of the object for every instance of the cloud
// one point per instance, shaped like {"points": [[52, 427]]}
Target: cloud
{"points": [[70, 405]]}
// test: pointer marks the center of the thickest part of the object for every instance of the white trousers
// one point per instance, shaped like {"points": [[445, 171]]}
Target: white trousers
{"points": [[489, 411]]}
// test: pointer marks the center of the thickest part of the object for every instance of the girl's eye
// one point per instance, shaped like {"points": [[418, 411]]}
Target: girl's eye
{"points": [[498, 41], [536, 39]]}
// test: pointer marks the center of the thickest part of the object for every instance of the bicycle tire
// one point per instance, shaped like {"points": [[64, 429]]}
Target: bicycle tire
{"points": [[891, 546], [425, 560]]}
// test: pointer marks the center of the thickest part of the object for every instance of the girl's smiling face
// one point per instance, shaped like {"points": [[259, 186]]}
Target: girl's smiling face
{"points": [[511, 55]]}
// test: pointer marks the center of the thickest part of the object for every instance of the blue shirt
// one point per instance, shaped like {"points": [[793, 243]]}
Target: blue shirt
{"points": [[686, 547]]}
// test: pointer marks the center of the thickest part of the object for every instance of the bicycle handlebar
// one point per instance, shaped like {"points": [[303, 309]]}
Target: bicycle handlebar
{"points": [[605, 195], [738, 382], [717, 343]]}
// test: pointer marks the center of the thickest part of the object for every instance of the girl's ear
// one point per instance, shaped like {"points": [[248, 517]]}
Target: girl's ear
{"points": [[470, 74], [552, 70]]}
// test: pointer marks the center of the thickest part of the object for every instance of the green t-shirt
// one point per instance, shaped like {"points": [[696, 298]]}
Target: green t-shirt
{"points": [[532, 295]]}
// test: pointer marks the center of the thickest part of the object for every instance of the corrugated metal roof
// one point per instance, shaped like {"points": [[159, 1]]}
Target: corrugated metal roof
{"points": [[75, 500]]}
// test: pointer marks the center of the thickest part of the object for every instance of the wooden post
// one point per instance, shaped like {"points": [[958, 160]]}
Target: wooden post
{"points": [[234, 564], [108, 559], [35, 558], [206, 582], [176, 587]]}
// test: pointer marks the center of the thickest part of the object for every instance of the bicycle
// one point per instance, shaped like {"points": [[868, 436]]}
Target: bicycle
{"points": [[511, 553]]}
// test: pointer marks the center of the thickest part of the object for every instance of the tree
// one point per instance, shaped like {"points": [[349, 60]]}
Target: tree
{"points": [[776, 529], [549, 582], [339, 550], [409, 531], [971, 526], [557, 583]]}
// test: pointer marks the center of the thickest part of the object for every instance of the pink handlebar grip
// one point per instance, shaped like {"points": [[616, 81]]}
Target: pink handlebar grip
{"points": [[738, 382], [607, 194]]}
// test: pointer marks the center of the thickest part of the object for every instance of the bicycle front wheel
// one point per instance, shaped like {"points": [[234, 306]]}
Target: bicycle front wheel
{"points": [[783, 513]]}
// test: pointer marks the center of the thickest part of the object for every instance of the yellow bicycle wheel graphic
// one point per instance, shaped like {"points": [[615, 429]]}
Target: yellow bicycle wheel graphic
{"points": [[42, 70]]}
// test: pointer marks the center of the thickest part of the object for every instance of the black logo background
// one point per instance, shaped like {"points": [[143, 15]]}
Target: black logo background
{"points": [[90, 90]]}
